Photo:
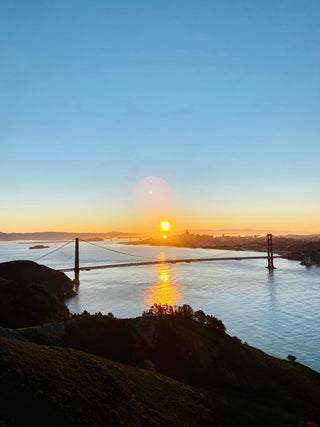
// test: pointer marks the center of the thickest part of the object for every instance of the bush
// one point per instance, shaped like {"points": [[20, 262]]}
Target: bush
{"points": [[149, 365], [158, 309], [215, 323], [187, 312], [200, 316]]}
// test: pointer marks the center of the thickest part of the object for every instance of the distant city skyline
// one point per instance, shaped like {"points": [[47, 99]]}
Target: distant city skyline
{"points": [[218, 101]]}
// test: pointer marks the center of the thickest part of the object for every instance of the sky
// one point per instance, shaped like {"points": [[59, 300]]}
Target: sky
{"points": [[216, 100]]}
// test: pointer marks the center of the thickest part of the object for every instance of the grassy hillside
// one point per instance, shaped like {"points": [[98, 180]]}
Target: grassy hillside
{"points": [[43, 385], [221, 381], [242, 385], [251, 382]]}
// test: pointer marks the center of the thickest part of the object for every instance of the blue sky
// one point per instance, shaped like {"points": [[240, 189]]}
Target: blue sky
{"points": [[220, 99]]}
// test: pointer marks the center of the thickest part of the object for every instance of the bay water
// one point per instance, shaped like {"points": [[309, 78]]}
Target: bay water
{"points": [[277, 312]]}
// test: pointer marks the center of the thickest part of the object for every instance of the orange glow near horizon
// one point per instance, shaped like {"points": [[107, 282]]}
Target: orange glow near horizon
{"points": [[129, 221], [23, 227]]}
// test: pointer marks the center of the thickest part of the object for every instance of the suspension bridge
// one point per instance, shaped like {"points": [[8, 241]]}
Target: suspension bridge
{"points": [[139, 259]]}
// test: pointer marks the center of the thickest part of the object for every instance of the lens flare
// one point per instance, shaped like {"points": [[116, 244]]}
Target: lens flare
{"points": [[152, 195]]}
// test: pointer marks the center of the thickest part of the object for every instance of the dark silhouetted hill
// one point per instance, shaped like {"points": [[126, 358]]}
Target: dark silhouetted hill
{"points": [[51, 386], [31, 294], [241, 385], [222, 381]]}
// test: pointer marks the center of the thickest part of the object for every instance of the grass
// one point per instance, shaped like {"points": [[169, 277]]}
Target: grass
{"points": [[214, 379], [57, 386], [250, 383]]}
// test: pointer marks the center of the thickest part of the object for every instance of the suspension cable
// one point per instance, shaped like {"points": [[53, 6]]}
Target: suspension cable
{"points": [[54, 250], [140, 256], [118, 252]]}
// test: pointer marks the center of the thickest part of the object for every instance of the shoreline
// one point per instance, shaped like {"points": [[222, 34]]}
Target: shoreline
{"points": [[181, 242]]}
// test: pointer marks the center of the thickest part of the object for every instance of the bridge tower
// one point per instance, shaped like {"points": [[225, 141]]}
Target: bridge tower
{"points": [[76, 263], [270, 252]]}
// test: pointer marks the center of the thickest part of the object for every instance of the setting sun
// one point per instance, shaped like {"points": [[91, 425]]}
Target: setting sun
{"points": [[165, 225]]}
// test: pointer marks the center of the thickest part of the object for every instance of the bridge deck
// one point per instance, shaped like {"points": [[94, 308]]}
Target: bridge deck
{"points": [[168, 261]]}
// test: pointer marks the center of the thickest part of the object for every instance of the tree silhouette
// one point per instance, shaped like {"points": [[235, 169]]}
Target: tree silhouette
{"points": [[187, 312]]}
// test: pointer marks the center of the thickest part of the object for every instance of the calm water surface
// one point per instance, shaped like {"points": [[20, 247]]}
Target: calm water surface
{"points": [[277, 312]]}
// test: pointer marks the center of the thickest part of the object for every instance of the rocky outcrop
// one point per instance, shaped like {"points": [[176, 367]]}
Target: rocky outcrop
{"points": [[32, 294], [54, 282]]}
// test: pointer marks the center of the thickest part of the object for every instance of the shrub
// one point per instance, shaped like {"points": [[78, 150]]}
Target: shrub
{"points": [[187, 312], [200, 316], [158, 309], [149, 365], [215, 323]]}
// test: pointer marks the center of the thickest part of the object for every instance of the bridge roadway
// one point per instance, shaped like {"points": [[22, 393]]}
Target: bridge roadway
{"points": [[167, 261]]}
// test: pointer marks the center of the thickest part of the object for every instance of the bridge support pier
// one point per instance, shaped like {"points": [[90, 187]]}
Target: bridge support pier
{"points": [[270, 253], [76, 263]]}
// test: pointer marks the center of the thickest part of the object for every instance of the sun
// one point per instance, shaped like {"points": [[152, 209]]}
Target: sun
{"points": [[165, 225]]}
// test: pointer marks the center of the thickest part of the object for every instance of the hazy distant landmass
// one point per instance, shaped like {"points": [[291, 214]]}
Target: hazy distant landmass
{"points": [[227, 230], [303, 248], [67, 235], [58, 235], [245, 231]]}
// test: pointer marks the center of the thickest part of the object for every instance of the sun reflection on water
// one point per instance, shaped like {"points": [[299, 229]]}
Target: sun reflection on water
{"points": [[166, 290]]}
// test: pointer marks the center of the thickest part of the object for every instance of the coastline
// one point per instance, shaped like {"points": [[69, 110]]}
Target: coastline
{"points": [[289, 248]]}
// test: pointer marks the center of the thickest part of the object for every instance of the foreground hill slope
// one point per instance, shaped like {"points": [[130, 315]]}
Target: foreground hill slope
{"points": [[43, 385], [251, 382], [239, 381]]}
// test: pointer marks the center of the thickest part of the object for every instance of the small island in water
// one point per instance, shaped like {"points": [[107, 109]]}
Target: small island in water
{"points": [[39, 247], [171, 366]]}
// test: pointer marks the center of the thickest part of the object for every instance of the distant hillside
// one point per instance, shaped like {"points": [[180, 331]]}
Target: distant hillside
{"points": [[57, 235]]}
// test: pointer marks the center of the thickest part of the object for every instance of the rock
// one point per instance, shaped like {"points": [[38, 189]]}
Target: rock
{"points": [[32, 294]]}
